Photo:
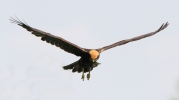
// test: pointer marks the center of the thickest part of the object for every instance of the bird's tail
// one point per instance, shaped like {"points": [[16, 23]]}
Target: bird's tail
{"points": [[75, 67], [70, 66]]}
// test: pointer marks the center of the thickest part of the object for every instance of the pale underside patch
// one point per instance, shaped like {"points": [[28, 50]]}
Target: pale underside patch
{"points": [[94, 54]]}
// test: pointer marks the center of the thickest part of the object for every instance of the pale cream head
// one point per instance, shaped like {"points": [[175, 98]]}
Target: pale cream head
{"points": [[94, 54]]}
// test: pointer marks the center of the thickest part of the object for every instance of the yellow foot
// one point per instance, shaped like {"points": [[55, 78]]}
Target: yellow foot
{"points": [[88, 76], [83, 77]]}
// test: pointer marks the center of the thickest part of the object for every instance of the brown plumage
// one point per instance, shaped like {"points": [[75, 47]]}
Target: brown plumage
{"points": [[89, 57]]}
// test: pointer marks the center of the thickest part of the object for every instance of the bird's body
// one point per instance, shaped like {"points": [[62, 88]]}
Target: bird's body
{"points": [[86, 63], [89, 57]]}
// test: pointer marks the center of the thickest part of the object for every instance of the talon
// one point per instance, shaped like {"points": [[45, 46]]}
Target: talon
{"points": [[83, 76], [88, 76]]}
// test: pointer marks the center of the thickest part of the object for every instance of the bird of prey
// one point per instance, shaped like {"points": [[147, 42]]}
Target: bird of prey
{"points": [[89, 57]]}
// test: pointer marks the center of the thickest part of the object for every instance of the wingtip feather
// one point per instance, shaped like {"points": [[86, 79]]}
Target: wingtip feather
{"points": [[20, 23]]}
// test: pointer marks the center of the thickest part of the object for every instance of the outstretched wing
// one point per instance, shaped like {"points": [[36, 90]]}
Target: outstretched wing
{"points": [[54, 40], [133, 39]]}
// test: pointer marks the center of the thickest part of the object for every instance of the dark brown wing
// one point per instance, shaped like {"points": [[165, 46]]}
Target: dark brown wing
{"points": [[54, 40], [133, 39]]}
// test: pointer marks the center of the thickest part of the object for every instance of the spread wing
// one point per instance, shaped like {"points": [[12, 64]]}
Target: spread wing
{"points": [[54, 40], [133, 39]]}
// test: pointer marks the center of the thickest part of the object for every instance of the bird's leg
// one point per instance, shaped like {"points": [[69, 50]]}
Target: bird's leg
{"points": [[88, 75], [83, 76]]}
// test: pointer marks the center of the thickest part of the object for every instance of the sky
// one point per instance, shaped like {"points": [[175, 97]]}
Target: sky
{"points": [[147, 69]]}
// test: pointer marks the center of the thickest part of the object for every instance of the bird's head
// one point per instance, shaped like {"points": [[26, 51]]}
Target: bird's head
{"points": [[94, 55]]}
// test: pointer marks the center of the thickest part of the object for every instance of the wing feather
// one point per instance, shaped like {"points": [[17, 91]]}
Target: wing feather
{"points": [[133, 39], [54, 40]]}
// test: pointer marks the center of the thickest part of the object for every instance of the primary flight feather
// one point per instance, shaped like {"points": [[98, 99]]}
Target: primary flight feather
{"points": [[89, 57]]}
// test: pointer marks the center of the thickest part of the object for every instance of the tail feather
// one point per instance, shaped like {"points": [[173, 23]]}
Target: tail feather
{"points": [[76, 68], [79, 69], [70, 66]]}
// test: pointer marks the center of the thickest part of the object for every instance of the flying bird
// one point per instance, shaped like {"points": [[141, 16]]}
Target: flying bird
{"points": [[89, 57]]}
